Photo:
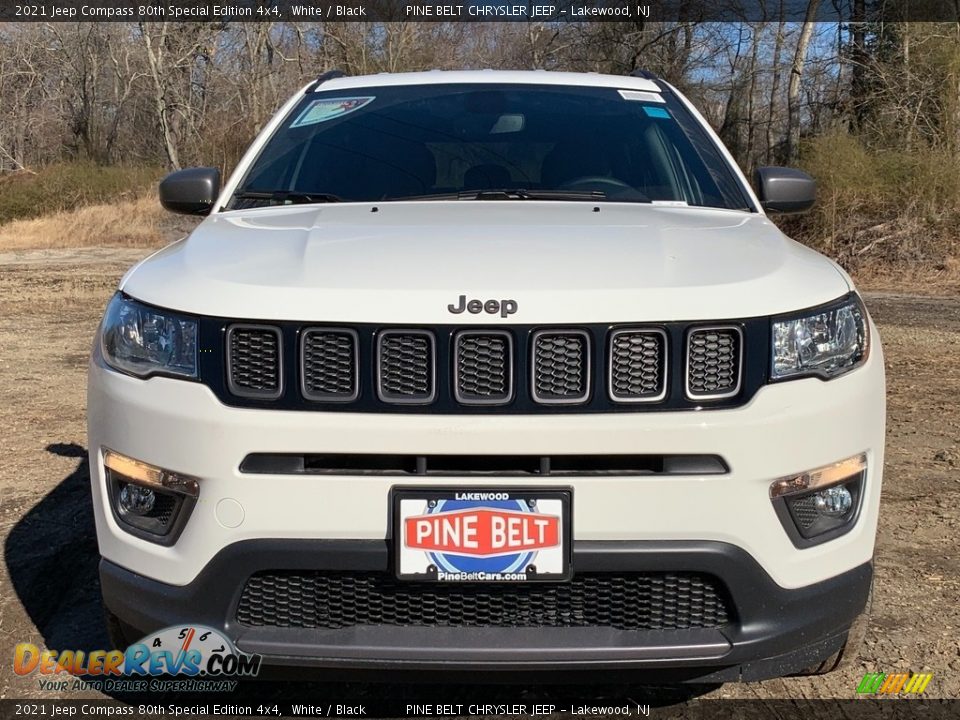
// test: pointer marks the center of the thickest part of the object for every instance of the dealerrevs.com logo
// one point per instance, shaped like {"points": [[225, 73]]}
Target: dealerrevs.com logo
{"points": [[184, 651]]}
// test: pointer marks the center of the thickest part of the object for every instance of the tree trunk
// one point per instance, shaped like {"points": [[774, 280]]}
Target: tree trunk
{"points": [[774, 87], [155, 57], [796, 75]]}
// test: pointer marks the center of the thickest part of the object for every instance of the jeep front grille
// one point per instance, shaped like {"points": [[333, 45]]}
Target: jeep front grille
{"points": [[329, 364], [713, 362], [483, 372], [626, 601], [451, 369], [561, 366], [638, 365], [254, 361], [406, 366]]}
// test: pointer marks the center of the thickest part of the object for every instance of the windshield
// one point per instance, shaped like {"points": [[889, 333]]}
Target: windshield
{"points": [[490, 141]]}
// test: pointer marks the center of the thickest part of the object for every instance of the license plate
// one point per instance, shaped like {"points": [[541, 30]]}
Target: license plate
{"points": [[482, 535]]}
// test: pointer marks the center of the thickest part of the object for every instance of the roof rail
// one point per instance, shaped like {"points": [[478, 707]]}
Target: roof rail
{"points": [[641, 73], [328, 75]]}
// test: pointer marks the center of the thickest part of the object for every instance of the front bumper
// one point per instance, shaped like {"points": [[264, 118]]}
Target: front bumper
{"points": [[786, 428], [774, 632]]}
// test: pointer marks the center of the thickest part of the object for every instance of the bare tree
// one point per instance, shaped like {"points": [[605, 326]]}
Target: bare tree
{"points": [[796, 75]]}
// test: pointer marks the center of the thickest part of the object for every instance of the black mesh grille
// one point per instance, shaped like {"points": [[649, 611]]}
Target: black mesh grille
{"points": [[713, 362], [406, 366], [638, 365], [804, 511], [561, 367], [483, 368], [329, 365], [254, 361], [629, 601]]}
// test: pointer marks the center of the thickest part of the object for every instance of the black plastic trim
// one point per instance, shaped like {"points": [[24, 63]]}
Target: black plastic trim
{"points": [[710, 397], [486, 465], [588, 373], [247, 392], [638, 330], [392, 399], [789, 523], [319, 397], [777, 630], [182, 511], [510, 368], [756, 353], [328, 75]]}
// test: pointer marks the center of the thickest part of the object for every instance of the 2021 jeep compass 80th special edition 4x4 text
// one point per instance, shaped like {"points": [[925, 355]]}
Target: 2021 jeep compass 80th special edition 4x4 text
{"points": [[490, 371]]}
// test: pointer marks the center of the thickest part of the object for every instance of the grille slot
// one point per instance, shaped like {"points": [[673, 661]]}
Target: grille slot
{"points": [[627, 601], [638, 365], [406, 366], [561, 367], [714, 360], [328, 365], [484, 465], [254, 361], [483, 368]]}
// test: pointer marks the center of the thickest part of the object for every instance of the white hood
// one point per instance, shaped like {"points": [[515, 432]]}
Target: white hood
{"points": [[561, 262]]}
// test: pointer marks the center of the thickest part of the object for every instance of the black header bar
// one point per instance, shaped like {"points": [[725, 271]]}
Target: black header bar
{"points": [[543, 11]]}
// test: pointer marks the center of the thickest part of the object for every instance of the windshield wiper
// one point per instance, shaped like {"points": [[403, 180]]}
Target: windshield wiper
{"points": [[291, 197], [510, 194], [525, 194]]}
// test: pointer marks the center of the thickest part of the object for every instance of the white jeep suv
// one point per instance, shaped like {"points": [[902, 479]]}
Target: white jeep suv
{"points": [[490, 371]]}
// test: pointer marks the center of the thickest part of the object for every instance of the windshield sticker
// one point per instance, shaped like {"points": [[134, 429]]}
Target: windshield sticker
{"points": [[322, 110], [642, 96], [656, 112]]}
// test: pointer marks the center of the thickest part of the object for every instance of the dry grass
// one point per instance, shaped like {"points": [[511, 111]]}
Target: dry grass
{"points": [[128, 223], [940, 279]]}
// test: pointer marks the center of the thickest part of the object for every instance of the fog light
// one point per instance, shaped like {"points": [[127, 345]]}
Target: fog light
{"points": [[820, 504], [136, 499], [149, 501], [833, 502]]}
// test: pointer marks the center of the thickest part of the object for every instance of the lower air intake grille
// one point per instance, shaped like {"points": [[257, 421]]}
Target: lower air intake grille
{"points": [[713, 362], [628, 601], [638, 365], [561, 367], [406, 366], [253, 361], [329, 365], [483, 373], [805, 512]]}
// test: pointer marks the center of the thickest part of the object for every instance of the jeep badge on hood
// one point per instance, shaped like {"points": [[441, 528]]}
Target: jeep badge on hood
{"points": [[504, 307]]}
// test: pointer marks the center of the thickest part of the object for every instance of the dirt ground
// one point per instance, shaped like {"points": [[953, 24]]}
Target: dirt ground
{"points": [[51, 301]]}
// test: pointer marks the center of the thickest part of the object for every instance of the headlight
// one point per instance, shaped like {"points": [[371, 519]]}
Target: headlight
{"points": [[826, 342], [144, 341]]}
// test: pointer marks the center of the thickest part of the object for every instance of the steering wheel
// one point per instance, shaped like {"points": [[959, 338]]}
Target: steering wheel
{"points": [[590, 182]]}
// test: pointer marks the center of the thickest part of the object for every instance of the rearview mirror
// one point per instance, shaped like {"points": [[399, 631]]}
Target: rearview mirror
{"points": [[190, 192], [785, 190]]}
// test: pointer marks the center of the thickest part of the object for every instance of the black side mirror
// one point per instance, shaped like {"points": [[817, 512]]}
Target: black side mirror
{"points": [[190, 192], [785, 190]]}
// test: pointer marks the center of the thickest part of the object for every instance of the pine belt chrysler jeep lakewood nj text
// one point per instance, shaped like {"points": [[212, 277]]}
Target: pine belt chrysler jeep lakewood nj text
{"points": [[497, 371]]}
